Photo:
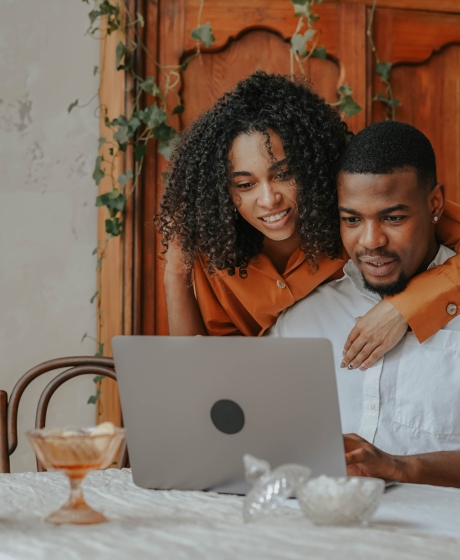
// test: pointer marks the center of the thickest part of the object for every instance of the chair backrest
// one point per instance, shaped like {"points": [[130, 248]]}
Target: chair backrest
{"points": [[76, 365]]}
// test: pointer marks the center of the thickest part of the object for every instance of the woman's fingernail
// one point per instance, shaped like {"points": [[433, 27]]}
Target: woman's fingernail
{"points": [[344, 352], [342, 364], [350, 366], [362, 368]]}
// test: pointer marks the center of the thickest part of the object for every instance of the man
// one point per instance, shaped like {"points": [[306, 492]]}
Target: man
{"points": [[406, 407]]}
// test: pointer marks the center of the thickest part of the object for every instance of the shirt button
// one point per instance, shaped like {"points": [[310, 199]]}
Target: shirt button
{"points": [[451, 309], [372, 406], [283, 285]]}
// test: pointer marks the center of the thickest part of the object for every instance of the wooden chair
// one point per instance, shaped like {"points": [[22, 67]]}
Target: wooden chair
{"points": [[78, 365]]}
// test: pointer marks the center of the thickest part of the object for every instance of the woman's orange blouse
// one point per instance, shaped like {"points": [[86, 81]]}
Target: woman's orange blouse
{"points": [[231, 305]]}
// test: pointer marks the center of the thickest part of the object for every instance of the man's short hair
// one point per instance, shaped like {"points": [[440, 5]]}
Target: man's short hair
{"points": [[388, 146]]}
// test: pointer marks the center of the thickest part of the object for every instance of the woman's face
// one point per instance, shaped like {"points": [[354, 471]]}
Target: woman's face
{"points": [[262, 186]]}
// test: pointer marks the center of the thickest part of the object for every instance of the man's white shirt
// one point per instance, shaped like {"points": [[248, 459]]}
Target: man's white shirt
{"points": [[406, 403]]}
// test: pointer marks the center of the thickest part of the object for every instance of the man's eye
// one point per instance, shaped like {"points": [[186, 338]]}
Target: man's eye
{"points": [[394, 219], [351, 220]]}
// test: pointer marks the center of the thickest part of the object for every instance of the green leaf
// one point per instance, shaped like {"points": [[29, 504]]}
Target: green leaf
{"points": [[101, 142], [165, 133], [95, 251], [313, 18], [94, 398], [93, 15], [113, 227], [168, 140], [390, 102], [133, 124], [301, 10], [140, 18], [121, 136], [98, 174], [98, 378], [309, 34], [319, 52], [298, 44], [99, 263], [203, 34], [345, 90], [123, 178], [383, 69], [100, 351], [139, 151], [114, 201], [72, 105], [152, 116], [120, 52], [178, 109], [83, 337], [95, 70], [149, 86], [348, 106], [94, 297], [184, 65], [299, 2]]}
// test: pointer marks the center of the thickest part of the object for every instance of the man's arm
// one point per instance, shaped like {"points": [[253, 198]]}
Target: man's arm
{"points": [[441, 468]]}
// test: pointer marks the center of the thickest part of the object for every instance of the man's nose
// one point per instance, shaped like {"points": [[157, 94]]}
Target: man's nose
{"points": [[373, 236], [269, 195]]}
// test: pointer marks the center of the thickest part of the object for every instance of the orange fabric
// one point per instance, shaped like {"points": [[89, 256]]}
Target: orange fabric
{"points": [[231, 305]]}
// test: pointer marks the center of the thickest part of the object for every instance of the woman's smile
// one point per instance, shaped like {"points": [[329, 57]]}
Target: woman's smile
{"points": [[276, 220]]}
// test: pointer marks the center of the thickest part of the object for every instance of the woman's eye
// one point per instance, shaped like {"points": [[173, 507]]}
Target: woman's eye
{"points": [[243, 185], [284, 175]]}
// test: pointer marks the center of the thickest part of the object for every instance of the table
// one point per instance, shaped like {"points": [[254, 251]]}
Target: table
{"points": [[413, 522]]}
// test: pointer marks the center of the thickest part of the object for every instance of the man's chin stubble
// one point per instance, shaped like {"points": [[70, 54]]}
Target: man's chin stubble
{"points": [[390, 289]]}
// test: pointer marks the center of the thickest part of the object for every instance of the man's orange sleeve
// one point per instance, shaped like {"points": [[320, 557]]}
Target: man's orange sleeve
{"points": [[431, 297]]}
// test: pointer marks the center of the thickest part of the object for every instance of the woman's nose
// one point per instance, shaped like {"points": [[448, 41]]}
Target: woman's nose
{"points": [[269, 196]]}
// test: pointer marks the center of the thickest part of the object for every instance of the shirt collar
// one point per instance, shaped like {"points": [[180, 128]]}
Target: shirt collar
{"points": [[352, 272]]}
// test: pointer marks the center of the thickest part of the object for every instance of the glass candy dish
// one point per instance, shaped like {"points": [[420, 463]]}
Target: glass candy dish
{"points": [[76, 452], [340, 501]]}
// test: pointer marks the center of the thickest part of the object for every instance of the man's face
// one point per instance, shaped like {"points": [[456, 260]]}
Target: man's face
{"points": [[387, 226]]}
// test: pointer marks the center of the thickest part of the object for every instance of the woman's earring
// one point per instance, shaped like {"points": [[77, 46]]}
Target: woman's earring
{"points": [[435, 218]]}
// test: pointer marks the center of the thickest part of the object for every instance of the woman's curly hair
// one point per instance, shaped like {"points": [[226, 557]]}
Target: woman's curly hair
{"points": [[197, 207]]}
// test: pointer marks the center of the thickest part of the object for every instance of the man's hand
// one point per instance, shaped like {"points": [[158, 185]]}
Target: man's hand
{"points": [[364, 459], [373, 335]]}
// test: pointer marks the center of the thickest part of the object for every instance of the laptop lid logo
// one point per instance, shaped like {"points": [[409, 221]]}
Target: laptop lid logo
{"points": [[227, 416]]}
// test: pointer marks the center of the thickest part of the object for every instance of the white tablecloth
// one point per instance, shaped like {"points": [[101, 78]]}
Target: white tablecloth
{"points": [[413, 522]]}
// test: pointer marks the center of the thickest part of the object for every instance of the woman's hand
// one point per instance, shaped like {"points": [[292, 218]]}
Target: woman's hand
{"points": [[373, 335]]}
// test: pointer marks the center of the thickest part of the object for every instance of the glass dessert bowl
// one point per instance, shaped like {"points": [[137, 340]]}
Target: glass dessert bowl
{"points": [[76, 452]]}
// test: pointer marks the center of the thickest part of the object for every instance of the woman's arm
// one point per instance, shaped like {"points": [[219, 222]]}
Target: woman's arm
{"points": [[429, 302], [184, 317]]}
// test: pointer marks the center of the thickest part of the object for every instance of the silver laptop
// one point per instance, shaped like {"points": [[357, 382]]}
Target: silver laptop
{"points": [[193, 406]]}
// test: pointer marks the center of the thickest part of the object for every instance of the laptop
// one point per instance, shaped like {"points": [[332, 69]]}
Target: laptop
{"points": [[193, 406]]}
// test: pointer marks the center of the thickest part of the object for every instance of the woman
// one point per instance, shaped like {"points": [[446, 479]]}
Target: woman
{"points": [[250, 212]]}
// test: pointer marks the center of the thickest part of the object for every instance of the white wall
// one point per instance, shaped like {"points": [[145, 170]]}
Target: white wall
{"points": [[47, 214]]}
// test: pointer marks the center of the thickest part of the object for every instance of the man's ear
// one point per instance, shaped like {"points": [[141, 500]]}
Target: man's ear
{"points": [[436, 202]]}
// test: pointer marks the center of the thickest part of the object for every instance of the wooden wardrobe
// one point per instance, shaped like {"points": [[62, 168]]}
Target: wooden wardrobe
{"points": [[420, 37]]}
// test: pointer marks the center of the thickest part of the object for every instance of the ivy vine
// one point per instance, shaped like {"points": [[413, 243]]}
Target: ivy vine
{"points": [[149, 120], [383, 70]]}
